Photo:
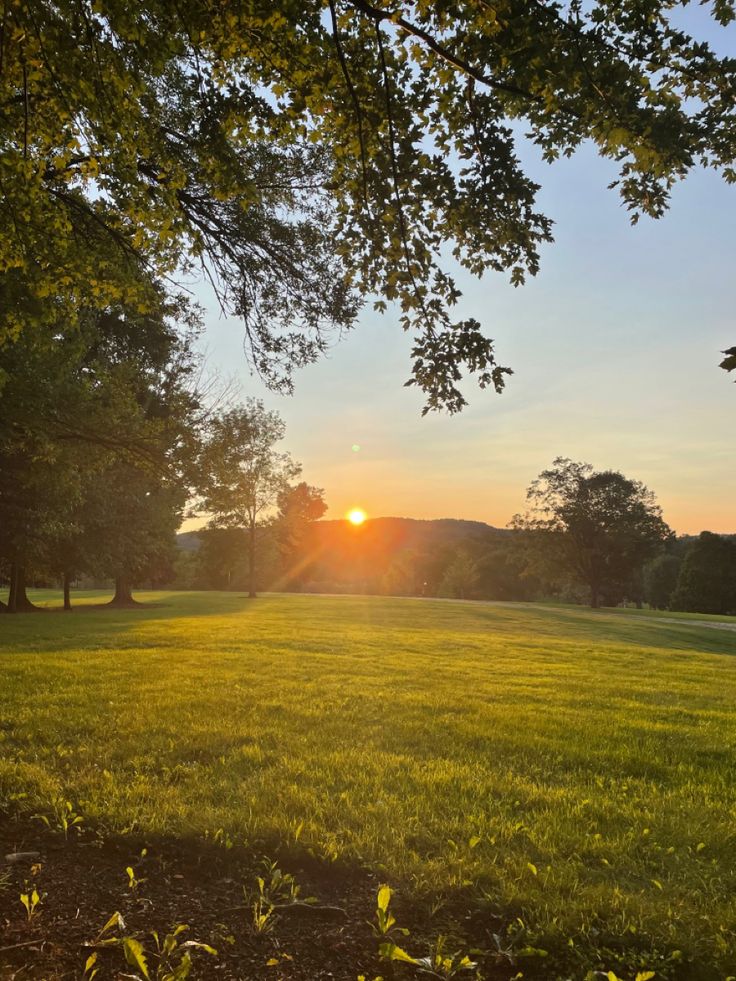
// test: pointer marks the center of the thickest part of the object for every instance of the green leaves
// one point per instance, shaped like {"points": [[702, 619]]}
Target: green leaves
{"points": [[729, 362], [383, 899], [170, 960], [90, 971], [385, 923], [135, 955], [391, 952], [437, 964], [308, 161], [31, 901]]}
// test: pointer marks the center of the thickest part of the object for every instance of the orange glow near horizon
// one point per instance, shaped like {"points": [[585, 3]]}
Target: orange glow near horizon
{"points": [[356, 516]]}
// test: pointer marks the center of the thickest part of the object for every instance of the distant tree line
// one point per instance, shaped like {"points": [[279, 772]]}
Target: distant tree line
{"points": [[386, 556], [587, 537], [602, 535], [695, 575], [111, 439]]}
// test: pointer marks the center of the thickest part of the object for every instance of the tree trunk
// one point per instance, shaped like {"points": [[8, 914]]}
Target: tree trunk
{"points": [[18, 601], [252, 561], [67, 590], [3, 607], [594, 598], [123, 596], [12, 593]]}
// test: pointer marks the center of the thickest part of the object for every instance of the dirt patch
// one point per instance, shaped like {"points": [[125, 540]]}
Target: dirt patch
{"points": [[83, 881]]}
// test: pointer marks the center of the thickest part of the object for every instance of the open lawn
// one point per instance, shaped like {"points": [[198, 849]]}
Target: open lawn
{"points": [[570, 770]]}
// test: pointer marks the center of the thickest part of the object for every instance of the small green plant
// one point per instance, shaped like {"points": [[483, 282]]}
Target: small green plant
{"points": [[277, 890], [169, 960], [133, 880], [103, 938], [220, 837], [385, 925], [437, 964], [385, 929], [173, 955], [515, 944], [31, 900], [263, 919], [90, 968], [63, 817]]}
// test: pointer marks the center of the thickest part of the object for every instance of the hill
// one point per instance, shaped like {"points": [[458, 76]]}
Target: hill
{"points": [[384, 553], [403, 553], [188, 541]]}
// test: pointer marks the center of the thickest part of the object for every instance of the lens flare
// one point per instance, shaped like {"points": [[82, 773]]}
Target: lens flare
{"points": [[356, 516]]}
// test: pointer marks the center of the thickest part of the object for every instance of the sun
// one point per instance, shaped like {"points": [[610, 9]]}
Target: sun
{"points": [[356, 516]]}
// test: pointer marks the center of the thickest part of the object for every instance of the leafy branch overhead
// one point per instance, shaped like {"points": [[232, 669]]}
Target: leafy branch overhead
{"points": [[305, 155], [729, 362]]}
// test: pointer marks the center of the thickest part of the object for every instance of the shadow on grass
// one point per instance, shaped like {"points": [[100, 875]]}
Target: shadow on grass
{"points": [[560, 623]]}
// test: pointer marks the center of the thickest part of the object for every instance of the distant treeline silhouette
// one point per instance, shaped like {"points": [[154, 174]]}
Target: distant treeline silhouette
{"points": [[455, 559]]}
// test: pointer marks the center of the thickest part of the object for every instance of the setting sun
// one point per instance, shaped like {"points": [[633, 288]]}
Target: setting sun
{"points": [[356, 517]]}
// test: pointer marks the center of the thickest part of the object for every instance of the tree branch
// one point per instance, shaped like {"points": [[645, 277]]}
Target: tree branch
{"points": [[353, 96], [440, 50]]}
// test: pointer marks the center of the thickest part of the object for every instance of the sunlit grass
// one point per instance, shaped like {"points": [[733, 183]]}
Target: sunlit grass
{"points": [[591, 753]]}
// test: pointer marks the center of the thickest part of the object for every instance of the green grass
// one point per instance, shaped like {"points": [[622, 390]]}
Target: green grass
{"points": [[592, 753]]}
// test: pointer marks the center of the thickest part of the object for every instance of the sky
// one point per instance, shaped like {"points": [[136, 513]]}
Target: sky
{"points": [[614, 345]]}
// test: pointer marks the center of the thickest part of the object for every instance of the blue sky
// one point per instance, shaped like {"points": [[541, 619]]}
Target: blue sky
{"points": [[615, 348]]}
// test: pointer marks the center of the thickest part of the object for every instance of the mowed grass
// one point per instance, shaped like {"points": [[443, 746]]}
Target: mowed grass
{"points": [[574, 769]]}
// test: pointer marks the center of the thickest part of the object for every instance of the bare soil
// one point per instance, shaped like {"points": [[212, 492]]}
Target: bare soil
{"points": [[83, 881]]}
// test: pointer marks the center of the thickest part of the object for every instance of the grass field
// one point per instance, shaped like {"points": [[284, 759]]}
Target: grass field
{"points": [[572, 769]]}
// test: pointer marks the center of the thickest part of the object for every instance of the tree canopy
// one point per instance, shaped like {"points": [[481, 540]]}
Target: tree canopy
{"points": [[98, 430], [600, 525], [307, 153], [242, 476], [707, 577]]}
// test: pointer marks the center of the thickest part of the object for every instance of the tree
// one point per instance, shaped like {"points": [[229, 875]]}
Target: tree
{"points": [[129, 520], [660, 579], [105, 403], [460, 578], [242, 475], [404, 575], [132, 507], [707, 579], [600, 526], [220, 558], [502, 572], [298, 508], [40, 474], [300, 151], [35, 506]]}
